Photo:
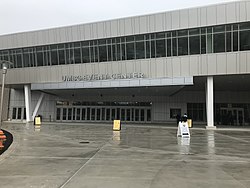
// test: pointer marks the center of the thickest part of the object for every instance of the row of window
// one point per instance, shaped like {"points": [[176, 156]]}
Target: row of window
{"points": [[216, 39]]}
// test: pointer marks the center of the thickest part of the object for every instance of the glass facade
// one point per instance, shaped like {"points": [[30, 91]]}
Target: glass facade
{"points": [[214, 39], [103, 111]]}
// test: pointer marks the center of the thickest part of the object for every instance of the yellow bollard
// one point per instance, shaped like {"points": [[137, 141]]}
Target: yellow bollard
{"points": [[117, 125], [189, 121]]}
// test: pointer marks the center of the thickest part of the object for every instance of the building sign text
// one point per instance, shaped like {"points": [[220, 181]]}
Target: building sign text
{"points": [[92, 77]]}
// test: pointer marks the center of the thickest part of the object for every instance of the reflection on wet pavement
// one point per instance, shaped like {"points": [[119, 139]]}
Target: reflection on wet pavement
{"points": [[93, 155]]}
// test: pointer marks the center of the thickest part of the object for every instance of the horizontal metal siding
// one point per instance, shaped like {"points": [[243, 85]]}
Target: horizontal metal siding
{"points": [[173, 20]]}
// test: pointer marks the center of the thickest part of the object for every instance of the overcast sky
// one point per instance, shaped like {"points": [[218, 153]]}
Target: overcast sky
{"points": [[26, 15]]}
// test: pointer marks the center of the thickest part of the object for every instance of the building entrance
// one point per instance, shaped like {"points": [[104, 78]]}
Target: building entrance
{"points": [[231, 116], [97, 114]]}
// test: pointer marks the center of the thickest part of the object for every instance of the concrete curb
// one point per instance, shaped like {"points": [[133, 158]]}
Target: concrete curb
{"points": [[12, 147]]}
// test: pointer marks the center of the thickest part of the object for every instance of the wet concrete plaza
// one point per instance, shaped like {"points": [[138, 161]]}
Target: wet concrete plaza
{"points": [[93, 156]]}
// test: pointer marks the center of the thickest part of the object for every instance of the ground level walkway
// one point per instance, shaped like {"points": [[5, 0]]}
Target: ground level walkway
{"points": [[95, 156]]}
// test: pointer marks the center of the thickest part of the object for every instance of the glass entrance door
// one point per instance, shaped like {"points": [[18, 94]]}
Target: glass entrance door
{"points": [[97, 114], [231, 116], [78, 114]]}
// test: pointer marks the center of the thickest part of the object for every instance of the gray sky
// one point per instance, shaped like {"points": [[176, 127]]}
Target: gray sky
{"points": [[26, 15]]}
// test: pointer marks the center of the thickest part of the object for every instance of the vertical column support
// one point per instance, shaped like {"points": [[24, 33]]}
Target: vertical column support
{"points": [[27, 97], [210, 102], [38, 105]]}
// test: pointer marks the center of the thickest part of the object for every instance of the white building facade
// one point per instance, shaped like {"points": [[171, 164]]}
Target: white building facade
{"points": [[143, 69]]}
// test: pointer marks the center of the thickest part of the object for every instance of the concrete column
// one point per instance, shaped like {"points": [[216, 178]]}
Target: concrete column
{"points": [[27, 96], [38, 104], [210, 103]]}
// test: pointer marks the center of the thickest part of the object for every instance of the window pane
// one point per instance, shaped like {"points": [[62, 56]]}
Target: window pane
{"points": [[69, 113], [194, 43], [39, 58], [77, 55], [148, 115], [123, 52], [46, 57], [114, 52], [118, 47], [26, 59], [54, 58], [130, 38], [174, 47], [69, 56], [12, 59], [61, 53], [94, 53], [93, 114], [174, 33], [88, 113], [19, 113], [160, 35], [130, 51], [160, 48], [139, 37], [209, 30], [153, 49], [229, 41], [219, 42], [58, 113], [107, 114], [83, 113], [229, 28], [169, 47], [19, 60], [183, 46], [245, 40], [103, 53], [203, 44], [220, 28], [142, 115], [103, 41], [183, 33], [194, 31], [109, 53], [140, 50], [14, 113], [77, 45], [244, 26], [148, 50], [85, 43], [203, 30], [24, 113], [85, 55], [209, 43], [235, 41], [64, 113]]}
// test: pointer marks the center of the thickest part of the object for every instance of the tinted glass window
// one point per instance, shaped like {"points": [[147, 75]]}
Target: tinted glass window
{"points": [[194, 45], [160, 48], [219, 42], [130, 51], [183, 46], [140, 50], [245, 40]]}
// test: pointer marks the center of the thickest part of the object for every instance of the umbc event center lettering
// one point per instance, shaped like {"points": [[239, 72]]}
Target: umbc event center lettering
{"points": [[102, 77]]}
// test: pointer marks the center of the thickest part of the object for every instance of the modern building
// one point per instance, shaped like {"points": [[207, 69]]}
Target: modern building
{"points": [[143, 69]]}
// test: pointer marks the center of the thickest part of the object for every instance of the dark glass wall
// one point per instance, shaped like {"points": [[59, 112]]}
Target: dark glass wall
{"points": [[213, 39]]}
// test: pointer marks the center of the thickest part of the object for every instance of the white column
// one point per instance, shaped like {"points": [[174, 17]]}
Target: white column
{"points": [[27, 97], [210, 103], [39, 102]]}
